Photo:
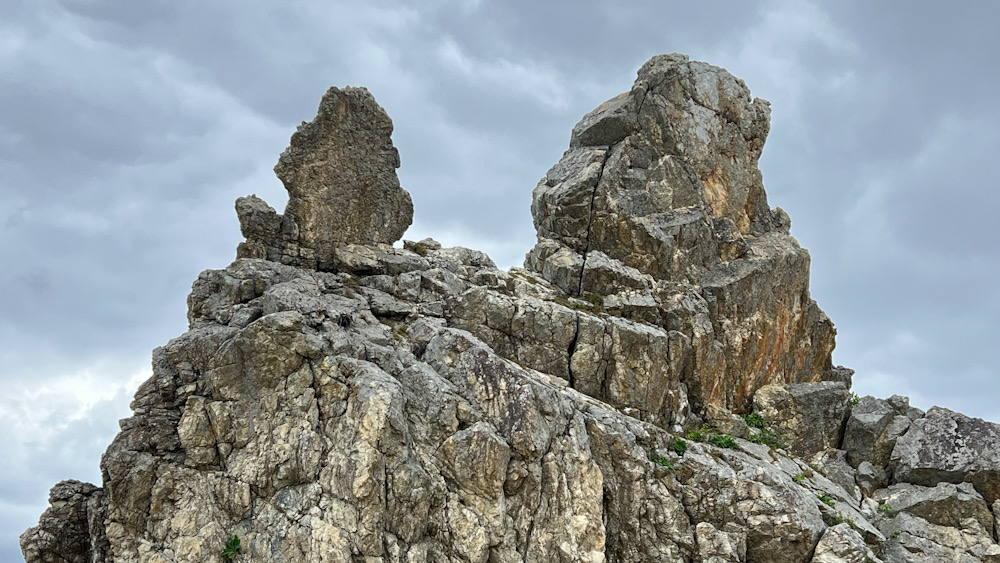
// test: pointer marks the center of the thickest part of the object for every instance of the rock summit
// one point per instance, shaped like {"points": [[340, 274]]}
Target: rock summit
{"points": [[655, 385], [340, 173]]}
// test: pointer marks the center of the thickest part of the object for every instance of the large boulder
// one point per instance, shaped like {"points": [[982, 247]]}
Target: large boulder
{"points": [[658, 209], [946, 522], [808, 416], [949, 447], [944, 504], [841, 544], [872, 428], [340, 173], [72, 529]]}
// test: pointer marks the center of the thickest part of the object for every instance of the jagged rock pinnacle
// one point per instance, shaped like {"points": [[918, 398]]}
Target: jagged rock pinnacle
{"points": [[658, 210], [340, 173]]}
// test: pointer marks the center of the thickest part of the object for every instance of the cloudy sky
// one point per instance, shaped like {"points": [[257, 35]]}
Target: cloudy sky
{"points": [[128, 128]]}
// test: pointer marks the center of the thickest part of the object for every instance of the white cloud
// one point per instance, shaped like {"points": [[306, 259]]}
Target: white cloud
{"points": [[31, 413], [775, 56], [523, 79]]}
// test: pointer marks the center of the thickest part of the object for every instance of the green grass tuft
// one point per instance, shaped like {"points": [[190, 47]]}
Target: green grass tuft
{"points": [[677, 445], [232, 549], [755, 420], [664, 462]]}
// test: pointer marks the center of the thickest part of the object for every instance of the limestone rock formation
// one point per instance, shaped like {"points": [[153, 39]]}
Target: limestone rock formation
{"points": [[949, 447], [658, 210], [340, 173], [336, 399]]}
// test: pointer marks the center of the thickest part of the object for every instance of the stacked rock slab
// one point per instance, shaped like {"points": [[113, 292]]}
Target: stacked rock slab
{"points": [[336, 399], [659, 198]]}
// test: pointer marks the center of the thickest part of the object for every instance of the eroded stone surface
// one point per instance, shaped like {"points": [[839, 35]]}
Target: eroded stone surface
{"points": [[659, 201], [336, 399], [809, 416], [841, 544], [340, 173], [949, 447]]}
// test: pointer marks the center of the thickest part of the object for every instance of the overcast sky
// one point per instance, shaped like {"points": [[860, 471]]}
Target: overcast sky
{"points": [[127, 130]]}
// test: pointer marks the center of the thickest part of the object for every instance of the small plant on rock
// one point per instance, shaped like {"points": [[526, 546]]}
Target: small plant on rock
{"points": [[699, 435], [677, 445], [841, 519], [827, 500], [887, 510], [723, 441], [664, 462], [799, 478], [755, 420], [420, 248], [232, 549], [855, 399], [767, 437]]}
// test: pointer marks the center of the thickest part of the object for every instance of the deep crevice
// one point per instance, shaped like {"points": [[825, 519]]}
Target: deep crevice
{"points": [[570, 350], [590, 216]]}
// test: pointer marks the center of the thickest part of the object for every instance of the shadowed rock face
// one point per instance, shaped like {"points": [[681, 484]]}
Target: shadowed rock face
{"points": [[340, 173], [659, 202], [339, 400]]}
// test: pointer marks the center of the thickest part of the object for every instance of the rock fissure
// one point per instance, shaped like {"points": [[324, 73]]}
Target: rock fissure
{"points": [[590, 217], [571, 349]]}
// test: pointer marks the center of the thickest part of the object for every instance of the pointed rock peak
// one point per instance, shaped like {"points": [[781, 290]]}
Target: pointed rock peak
{"points": [[663, 178], [340, 173], [657, 211]]}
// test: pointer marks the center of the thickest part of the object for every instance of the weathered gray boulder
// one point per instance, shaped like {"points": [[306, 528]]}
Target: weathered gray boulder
{"points": [[949, 447], [943, 523], [658, 209], [808, 416], [718, 546], [71, 529], [781, 519], [872, 428], [833, 465], [340, 173], [946, 504], [841, 544], [870, 478]]}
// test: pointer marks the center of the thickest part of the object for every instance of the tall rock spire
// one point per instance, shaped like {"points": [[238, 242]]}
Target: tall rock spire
{"points": [[659, 210], [340, 173]]}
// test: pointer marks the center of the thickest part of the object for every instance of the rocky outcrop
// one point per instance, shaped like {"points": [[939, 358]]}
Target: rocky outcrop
{"points": [[72, 529], [657, 209], [810, 416], [340, 173], [949, 447], [942, 523], [336, 399], [841, 544]]}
